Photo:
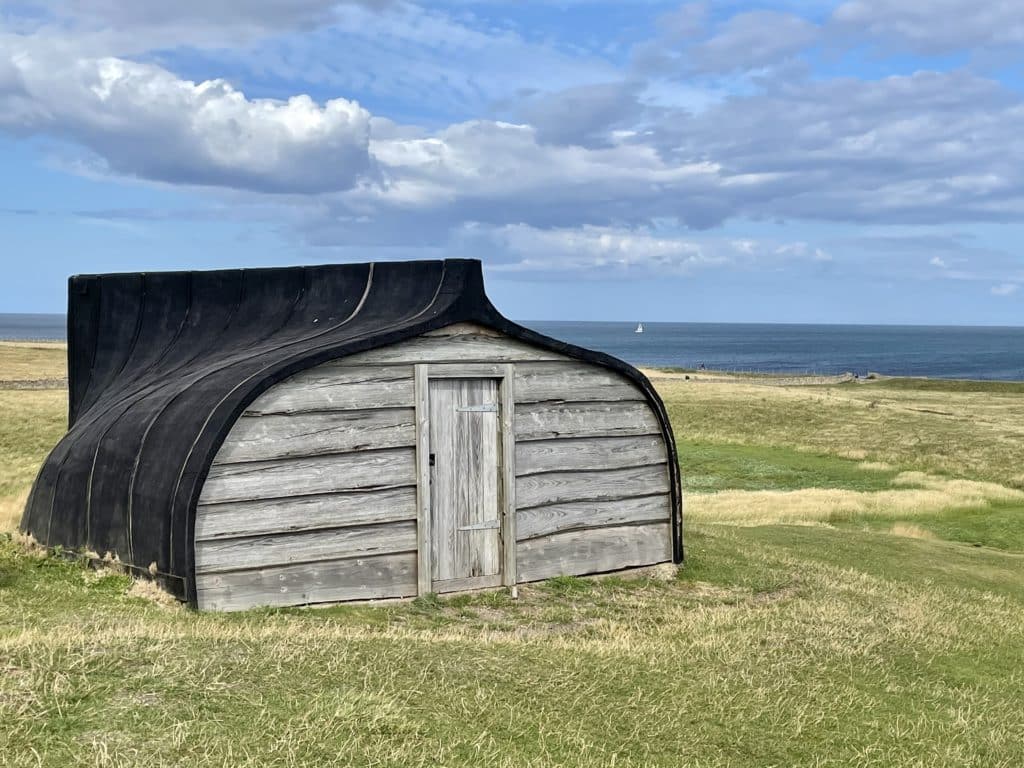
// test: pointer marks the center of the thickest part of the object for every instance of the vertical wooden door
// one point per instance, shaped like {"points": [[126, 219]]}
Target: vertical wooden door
{"points": [[465, 496]]}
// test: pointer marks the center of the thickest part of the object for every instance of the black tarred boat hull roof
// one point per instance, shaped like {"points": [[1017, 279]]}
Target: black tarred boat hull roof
{"points": [[161, 365]]}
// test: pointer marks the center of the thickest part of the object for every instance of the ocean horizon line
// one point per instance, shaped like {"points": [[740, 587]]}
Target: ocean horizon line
{"points": [[629, 321]]}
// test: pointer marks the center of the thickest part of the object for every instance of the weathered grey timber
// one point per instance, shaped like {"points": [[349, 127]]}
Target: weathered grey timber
{"points": [[285, 436], [460, 344], [334, 386], [264, 437], [577, 515], [313, 495], [300, 476], [256, 517], [311, 546], [571, 382], [536, 421], [588, 453], [464, 476], [593, 550], [509, 523], [602, 485], [329, 581]]}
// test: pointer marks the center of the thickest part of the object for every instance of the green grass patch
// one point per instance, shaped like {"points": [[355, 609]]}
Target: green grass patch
{"points": [[718, 557], [788, 645], [567, 586], [793, 646], [31, 422], [710, 467], [932, 565], [970, 434], [909, 384], [1000, 527]]}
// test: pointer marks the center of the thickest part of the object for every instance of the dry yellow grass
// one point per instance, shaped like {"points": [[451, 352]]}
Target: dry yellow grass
{"points": [[144, 589], [11, 508], [911, 531], [835, 664], [920, 494], [31, 422], [32, 361], [809, 646], [875, 466], [975, 434]]}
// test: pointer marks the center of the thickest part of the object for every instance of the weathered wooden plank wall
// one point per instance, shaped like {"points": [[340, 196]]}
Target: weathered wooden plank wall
{"points": [[312, 498]]}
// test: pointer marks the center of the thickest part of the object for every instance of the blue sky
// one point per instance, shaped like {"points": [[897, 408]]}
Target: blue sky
{"points": [[844, 161]]}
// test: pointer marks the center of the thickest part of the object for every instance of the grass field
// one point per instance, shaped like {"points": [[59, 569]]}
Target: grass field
{"points": [[853, 596], [22, 361]]}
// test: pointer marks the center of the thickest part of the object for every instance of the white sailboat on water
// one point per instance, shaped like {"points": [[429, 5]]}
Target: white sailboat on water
{"points": [[639, 328]]}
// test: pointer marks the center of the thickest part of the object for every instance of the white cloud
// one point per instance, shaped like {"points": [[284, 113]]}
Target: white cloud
{"points": [[580, 157], [143, 121], [139, 25], [584, 115], [742, 42], [802, 250], [896, 150], [938, 261], [925, 148], [604, 250], [501, 173], [892, 151], [424, 60], [687, 21], [936, 26], [753, 39], [1005, 289], [607, 252]]}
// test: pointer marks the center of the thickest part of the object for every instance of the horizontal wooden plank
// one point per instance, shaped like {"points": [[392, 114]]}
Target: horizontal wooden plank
{"points": [[366, 470], [467, 583], [463, 329], [572, 381], [304, 513], [588, 453], [555, 518], [540, 421], [278, 436], [596, 550], [280, 549], [336, 386], [468, 347], [606, 485], [360, 578], [466, 370]]}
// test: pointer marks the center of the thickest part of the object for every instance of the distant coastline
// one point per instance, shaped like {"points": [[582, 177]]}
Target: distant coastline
{"points": [[33, 327], [949, 352]]}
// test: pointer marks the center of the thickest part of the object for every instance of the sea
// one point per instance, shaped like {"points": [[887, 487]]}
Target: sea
{"points": [[958, 352]]}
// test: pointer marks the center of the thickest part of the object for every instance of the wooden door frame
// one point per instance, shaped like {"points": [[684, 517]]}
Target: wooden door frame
{"points": [[505, 375]]}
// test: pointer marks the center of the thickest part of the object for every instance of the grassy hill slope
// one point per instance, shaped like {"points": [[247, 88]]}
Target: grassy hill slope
{"points": [[853, 596]]}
